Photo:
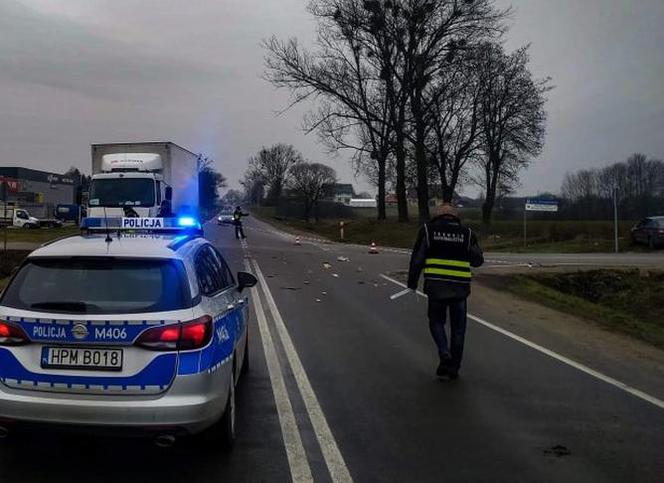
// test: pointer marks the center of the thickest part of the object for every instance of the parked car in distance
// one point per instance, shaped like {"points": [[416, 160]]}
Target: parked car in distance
{"points": [[649, 231]]}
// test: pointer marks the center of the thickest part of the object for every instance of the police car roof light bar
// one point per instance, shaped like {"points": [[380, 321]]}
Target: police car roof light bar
{"points": [[186, 224]]}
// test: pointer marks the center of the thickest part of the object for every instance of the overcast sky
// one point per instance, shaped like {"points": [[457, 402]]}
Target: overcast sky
{"points": [[76, 72]]}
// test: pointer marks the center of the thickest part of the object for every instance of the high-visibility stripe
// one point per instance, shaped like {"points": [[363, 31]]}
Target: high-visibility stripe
{"points": [[449, 273], [451, 263]]}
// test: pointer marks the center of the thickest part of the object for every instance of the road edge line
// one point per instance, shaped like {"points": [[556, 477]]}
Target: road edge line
{"points": [[295, 452], [577, 365], [328, 445]]}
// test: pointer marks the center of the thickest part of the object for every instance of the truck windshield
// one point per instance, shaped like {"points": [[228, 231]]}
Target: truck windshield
{"points": [[99, 286], [122, 192]]}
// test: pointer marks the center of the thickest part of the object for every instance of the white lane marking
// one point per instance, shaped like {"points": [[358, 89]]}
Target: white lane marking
{"points": [[333, 458], [591, 372], [295, 453]]}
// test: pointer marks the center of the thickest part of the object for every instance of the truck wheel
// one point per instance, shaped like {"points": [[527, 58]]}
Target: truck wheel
{"points": [[651, 243]]}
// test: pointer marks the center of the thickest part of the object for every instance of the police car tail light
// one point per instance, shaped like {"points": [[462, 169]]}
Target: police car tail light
{"points": [[196, 333], [160, 338], [186, 336], [12, 335]]}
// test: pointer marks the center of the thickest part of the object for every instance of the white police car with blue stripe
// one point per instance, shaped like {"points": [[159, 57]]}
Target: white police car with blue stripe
{"points": [[135, 323]]}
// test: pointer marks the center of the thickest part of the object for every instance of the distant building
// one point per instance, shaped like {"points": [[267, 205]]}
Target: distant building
{"points": [[32, 186], [339, 193]]}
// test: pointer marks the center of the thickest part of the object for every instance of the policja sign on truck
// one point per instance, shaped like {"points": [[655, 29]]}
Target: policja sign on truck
{"points": [[550, 206]]}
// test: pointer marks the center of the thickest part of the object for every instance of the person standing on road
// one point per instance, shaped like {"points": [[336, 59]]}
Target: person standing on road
{"points": [[237, 221], [445, 250]]}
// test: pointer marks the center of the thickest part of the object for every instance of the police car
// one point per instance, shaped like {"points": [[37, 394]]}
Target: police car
{"points": [[137, 323]]}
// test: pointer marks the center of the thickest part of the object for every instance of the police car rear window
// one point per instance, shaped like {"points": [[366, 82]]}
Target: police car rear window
{"points": [[99, 286]]}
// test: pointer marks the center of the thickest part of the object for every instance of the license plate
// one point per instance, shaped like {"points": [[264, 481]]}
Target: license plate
{"points": [[78, 358]]}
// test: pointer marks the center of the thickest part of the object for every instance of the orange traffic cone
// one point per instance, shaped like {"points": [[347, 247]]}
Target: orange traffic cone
{"points": [[373, 249], [297, 241]]}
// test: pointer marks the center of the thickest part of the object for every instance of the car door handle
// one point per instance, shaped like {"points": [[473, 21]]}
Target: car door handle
{"points": [[230, 306]]}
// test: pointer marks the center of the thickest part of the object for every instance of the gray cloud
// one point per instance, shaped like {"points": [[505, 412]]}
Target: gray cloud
{"points": [[80, 71], [58, 52]]}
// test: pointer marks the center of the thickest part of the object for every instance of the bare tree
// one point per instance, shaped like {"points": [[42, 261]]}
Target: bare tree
{"points": [[454, 133], [308, 181], [272, 165], [512, 118], [254, 186], [343, 75]]}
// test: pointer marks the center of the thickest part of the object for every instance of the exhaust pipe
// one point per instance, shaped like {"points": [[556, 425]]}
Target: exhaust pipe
{"points": [[164, 440], [4, 432]]}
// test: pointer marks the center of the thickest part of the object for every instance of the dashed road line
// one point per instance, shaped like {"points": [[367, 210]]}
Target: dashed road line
{"points": [[591, 372]]}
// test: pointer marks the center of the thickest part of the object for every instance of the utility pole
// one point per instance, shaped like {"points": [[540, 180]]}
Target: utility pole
{"points": [[615, 218]]}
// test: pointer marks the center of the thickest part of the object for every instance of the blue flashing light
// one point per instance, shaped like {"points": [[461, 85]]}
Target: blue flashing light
{"points": [[187, 222]]}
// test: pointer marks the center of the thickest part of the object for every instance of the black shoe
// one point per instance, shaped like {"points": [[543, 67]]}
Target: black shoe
{"points": [[443, 366], [453, 373]]}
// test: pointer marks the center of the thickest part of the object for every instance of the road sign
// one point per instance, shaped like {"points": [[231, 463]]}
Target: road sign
{"points": [[542, 205]]}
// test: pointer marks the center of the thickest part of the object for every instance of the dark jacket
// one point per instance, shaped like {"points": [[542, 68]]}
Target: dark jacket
{"points": [[441, 289]]}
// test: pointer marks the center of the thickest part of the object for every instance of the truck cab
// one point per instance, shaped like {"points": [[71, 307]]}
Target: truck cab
{"points": [[130, 184]]}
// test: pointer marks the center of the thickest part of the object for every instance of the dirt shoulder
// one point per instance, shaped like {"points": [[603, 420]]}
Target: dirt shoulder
{"points": [[581, 339]]}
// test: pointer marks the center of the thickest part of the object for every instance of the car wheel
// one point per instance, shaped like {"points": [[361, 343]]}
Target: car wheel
{"points": [[227, 422], [245, 362]]}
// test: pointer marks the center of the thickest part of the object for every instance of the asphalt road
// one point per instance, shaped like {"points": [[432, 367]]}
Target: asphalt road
{"points": [[342, 387]]}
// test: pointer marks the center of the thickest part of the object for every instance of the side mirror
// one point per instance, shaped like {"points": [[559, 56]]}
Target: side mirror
{"points": [[168, 194], [245, 280]]}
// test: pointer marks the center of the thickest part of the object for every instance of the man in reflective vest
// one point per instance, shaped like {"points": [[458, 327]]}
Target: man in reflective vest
{"points": [[445, 250], [237, 221]]}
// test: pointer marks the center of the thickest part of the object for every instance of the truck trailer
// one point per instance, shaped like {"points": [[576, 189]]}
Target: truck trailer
{"points": [[146, 179]]}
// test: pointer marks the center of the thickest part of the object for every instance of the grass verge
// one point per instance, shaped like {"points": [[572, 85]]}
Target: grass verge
{"points": [[626, 301], [41, 235], [506, 236]]}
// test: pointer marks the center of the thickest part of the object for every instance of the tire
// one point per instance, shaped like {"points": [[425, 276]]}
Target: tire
{"points": [[651, 243], [245, 363], [228, 420]]}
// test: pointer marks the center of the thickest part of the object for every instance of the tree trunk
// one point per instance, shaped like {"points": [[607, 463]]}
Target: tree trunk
{"points": [[382, 214], [421, 161], [487, 210], [402, 199], [307, 210]]}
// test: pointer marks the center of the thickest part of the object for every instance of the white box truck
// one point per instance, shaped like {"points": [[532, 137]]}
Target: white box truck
{"points": [[142, 179]]}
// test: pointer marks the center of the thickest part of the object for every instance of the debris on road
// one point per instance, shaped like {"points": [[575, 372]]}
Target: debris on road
{"points": [[297, 241], [373, 249], [291, 288], [318, 300], [335, 275], [359, 269], [327, 265], [558, 451], [306, 282], [323, 292], [343, 259]]}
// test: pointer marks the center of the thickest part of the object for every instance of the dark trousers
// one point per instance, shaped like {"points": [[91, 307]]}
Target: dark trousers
{"points": [[239, 232], [437, 318]]}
